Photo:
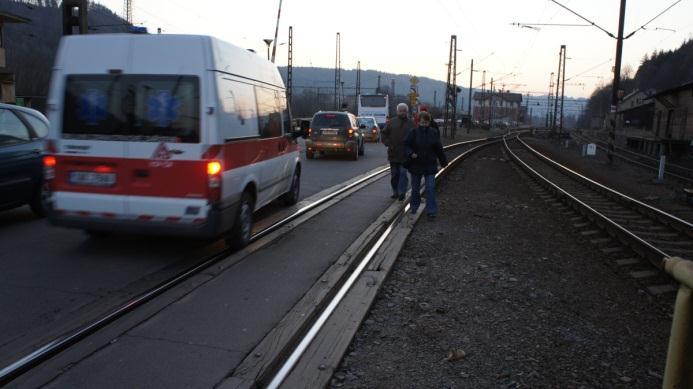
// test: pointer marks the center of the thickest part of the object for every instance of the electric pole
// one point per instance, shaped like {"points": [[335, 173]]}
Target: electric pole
{"points": [[558, 84], [617, 80], [358, 81], [290, 68], [276, 31], [337, 74], [450, 118], [127, 11], [560, 129], [469, 103], [490, 107], [75, 15], [548, 103]]}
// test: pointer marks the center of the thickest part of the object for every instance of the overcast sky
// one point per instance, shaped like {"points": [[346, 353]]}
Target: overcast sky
{"points": [[412, 37]]}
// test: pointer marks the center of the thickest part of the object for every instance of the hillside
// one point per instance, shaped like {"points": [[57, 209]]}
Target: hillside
{"points": [[659, 71], [31, 47]]}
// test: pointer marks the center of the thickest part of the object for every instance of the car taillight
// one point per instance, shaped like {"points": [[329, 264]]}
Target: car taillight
{"points": [[49, 163], [350, 132], [214, 180], [375, 130], [310, 131]]}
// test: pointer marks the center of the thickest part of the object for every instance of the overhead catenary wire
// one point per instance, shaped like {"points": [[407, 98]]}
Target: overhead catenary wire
{"points": [[653, 19]]}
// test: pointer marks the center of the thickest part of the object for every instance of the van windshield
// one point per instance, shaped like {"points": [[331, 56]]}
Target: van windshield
{"points": [[146, 108]]}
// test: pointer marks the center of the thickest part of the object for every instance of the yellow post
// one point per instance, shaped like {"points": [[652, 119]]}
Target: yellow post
{"points": [[679, 369]]}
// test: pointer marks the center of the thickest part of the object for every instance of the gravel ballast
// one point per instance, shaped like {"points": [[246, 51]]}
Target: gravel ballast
{"points": [[501, 291]]}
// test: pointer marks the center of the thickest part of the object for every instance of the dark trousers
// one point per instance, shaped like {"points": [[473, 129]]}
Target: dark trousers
{"points": [[398, 179]]}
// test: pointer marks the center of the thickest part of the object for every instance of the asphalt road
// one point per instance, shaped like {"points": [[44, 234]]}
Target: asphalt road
{"points": [[53, 278]]}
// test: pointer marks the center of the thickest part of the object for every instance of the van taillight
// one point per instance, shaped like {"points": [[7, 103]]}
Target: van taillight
{"points": [[49, 163], [214, 180]]}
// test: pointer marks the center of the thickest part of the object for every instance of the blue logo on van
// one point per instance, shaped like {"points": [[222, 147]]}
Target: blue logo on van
{"points": [[93, 106], [162, 108]]}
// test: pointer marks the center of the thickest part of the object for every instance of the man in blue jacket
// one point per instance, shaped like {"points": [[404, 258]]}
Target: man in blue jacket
{"points": [[424, 150]]}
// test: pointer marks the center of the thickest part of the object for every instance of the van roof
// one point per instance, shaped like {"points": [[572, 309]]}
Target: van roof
{"points": [[161, 54]]}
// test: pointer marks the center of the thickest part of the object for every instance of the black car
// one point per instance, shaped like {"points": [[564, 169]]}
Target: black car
{"points": [[22, 133], [334, 132]]}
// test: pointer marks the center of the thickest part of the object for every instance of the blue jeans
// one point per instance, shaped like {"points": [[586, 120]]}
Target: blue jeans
{"points": [[398, 179], [431, 205]]}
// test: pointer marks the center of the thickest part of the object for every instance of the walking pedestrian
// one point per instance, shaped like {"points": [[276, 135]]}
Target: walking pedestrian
{"points": [[424, 150], [393, 136], [424, 108]]}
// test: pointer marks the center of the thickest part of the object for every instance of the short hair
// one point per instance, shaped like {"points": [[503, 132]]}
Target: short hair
{"points": [[402, 107], [425, 116]]}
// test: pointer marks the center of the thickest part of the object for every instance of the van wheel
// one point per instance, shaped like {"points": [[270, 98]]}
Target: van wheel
{"points": [[310, 154], [291, 197], [240, 233], [362, 149], [97, 234]]}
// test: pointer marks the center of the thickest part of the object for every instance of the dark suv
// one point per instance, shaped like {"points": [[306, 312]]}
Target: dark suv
{"points": [[334, 132]]}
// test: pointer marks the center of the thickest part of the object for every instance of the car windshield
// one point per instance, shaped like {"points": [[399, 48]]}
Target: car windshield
{"points": [[367, 121], [331, 120], [148, 108]]}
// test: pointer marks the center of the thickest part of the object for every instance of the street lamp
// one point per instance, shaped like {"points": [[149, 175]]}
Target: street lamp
{"points": [[268, 42]]}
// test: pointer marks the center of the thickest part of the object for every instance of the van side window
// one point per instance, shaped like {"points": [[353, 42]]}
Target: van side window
{"points": [[237, 114], [269, 114], [286, 112]]}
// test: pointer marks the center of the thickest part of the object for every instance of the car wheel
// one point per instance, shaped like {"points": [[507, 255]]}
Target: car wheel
{"points": [[37, 203], [362, 149], [291, 197], [355, 154], [242, 229]]}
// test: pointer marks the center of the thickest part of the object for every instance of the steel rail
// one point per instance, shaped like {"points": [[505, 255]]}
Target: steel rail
{"points": [[645, 165], [61, 343], [673, 221], [639, 245], [306, 340]]}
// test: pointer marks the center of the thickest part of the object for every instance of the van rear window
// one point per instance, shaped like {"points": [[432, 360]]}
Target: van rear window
{"points": [[147, 108]]}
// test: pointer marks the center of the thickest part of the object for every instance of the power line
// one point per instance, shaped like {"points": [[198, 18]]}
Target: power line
{"points": [[585, 19], [651, 20]]}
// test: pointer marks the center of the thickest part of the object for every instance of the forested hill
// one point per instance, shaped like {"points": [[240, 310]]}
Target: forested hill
{"points": [[659, 71], [31, 47], [664, 70]]}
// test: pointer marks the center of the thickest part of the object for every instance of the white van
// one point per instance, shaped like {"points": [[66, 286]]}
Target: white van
{"points": [[166, 134]]}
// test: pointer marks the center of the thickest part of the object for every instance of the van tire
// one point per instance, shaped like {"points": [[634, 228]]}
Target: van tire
{"points": [[291, 197], [241, 232]]}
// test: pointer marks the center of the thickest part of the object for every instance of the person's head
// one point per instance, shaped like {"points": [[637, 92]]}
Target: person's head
{"points": [[424, 119], [402, 110]]}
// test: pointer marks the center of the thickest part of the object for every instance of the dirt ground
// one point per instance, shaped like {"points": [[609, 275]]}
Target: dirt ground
{"points": [[501, 291]]}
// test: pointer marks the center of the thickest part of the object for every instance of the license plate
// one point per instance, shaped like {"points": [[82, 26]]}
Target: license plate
{"points": [[330, 131], [92, 178]]}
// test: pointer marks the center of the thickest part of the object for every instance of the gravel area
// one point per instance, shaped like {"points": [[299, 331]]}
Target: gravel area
{"points": [[500, 291]]}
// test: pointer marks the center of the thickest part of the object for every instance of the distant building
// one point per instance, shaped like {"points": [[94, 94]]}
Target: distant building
{"points": [[501, 107], [636, 112]]}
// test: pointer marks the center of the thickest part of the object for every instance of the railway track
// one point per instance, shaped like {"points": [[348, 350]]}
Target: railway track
{"points": [[650, 232], [25, 363], [672, 171]]}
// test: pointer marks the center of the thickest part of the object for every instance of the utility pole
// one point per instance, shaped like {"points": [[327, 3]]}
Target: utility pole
{"points": [[358, 82], [490, 107], [290, 68], [483, 97], [558, 84], [469, 103], [127, 11], [377, 90], [337, 74], [560, 129], [276, 31], [450, 118], [435, 98], [392, 88], [617, 80], [548, 103]]}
